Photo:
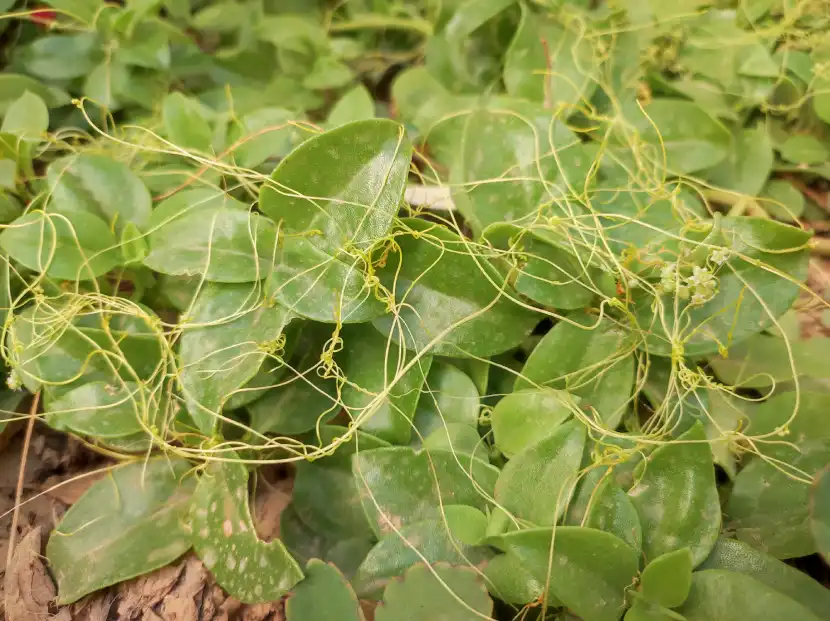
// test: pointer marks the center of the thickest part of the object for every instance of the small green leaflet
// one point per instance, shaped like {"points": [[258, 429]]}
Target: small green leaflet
{"points": [[323, 595], [225, 539]]}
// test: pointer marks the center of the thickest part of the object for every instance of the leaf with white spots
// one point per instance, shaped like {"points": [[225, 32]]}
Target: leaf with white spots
{"points": [[125, 525], [224, 537]]}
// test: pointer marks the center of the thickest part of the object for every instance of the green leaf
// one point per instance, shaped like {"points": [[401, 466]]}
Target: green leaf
{"points": [[613, 511], [71, 246], [205, 232], [523, 417], [750, 291], [100, 409], [769, 508], [355, 105], [449, 397], [720, 595], [27, 116], [225, 538], [642, 610], [134, 246], [98, 185], [299, 402], [326, 495], [335, 196], [365, 166], [544, 266], [591, 361], [425, 276], [61, 57], [550, 62], [13, 86], [509, 581], [125, 525], [511, 164], [263, 134], [430, 541], [587, 570], [783, 200], [804, 149], [372, 366], [8, 180], [739, 557], [684, 133], [421, 597], [399, 486], [676, 498], [667, 579], [537, 483], [185, 123], [820, 513], [323, 595], [748, 164], [327, 73], [224, 343]]}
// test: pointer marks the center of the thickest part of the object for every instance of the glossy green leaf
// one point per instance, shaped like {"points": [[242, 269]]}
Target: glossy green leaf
{"points": [[720, 595], [550, 62], [185, 123], [588, 570], [127, 524], [748, 294], [206, 232], [425, 277], [226, 541], [667, 579], [676, 498], [353, 203], [331, 220], [537, 483], [27, 116], [71, 246], [804, 149], [588, 360], [523, 417], [355, 105], [399, 486], [230, 329], [457, 438], [820, 513], [430, 541], [98, 185], [421, 597], [685, 134], [737, 556], [326, 493], [323, 595], [13, 86], [748, 164], [372, 366], [8, 180], [100, 409], [613, 511]]}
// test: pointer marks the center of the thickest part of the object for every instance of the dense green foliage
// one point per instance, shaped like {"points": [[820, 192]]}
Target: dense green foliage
{"points": [[581, 391]]}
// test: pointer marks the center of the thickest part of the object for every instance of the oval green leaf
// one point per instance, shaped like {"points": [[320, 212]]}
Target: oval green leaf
{"points": [[125, 525]]}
